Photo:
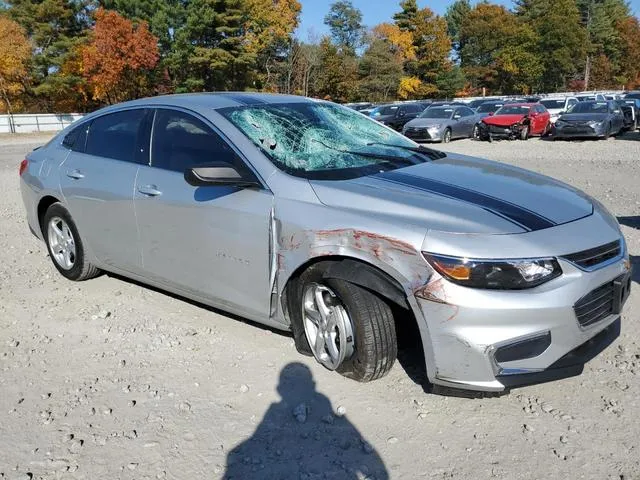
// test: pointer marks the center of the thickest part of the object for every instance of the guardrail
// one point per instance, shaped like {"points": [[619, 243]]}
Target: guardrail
{"points": [[36, 122]]}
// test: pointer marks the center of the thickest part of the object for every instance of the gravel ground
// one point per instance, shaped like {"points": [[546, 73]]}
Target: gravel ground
{"points": [[109, 379]]}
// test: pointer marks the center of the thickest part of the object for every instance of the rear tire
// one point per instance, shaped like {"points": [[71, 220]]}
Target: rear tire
{"points": [[66, 248], [373, 345]]}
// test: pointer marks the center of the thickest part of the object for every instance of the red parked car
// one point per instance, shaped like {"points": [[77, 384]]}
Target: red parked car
{"points": [[516, 120]]}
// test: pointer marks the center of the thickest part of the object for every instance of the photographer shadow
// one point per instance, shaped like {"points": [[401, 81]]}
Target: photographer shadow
{"points": [[300, 437]]}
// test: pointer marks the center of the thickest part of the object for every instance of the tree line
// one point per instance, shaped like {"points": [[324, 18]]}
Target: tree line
{"points": [[77, 55]]}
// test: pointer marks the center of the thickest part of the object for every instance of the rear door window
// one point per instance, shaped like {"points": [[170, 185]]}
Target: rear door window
{"points": [[117, 136], [77, 138], [182, 141]]}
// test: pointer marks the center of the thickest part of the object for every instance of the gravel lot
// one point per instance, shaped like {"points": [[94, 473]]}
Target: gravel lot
{"points": [[107, 379]]}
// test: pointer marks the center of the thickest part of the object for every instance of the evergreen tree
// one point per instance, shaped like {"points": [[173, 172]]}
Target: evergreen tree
{"points": [[345, 24], [405, 19], [561, 38], [455, 15]]}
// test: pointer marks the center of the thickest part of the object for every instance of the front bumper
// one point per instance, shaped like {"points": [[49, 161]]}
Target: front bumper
{"points": [[579, 131], [423, 134], [499, 132], [471, 329]]}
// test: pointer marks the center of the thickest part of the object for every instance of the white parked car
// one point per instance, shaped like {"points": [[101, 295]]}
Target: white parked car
{"points": [[557, 105]]}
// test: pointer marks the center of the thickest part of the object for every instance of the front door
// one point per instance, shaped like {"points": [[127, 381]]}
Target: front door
{"points": [[213, 241], [97, 180]]}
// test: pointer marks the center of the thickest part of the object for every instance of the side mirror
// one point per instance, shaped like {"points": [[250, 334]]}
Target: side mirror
{"points": [[218, 173]]}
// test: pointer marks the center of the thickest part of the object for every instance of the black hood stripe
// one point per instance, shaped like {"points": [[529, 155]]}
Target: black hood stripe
{"points": [[521, 216]]}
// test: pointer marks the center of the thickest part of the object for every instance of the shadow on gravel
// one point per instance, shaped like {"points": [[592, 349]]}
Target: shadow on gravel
{"points": [[632, 136], [299, 437], [633, 222]]}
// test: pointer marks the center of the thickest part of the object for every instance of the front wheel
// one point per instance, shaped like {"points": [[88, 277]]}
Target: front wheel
{"points": [[65, 246], [348, 328]]}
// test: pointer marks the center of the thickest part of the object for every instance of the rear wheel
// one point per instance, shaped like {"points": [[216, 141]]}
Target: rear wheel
{"points": [[348, 328], [65, 246]]}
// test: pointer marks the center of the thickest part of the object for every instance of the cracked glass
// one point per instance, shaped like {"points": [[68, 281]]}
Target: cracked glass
{"points": [[312, 137]]}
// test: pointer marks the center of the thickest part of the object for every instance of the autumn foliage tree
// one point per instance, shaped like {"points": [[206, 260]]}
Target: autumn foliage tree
{"points": [[15, 52], [119, 59]]}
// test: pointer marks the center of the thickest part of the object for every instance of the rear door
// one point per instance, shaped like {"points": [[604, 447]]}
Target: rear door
{"points": [[212, 241], [97, 181]]}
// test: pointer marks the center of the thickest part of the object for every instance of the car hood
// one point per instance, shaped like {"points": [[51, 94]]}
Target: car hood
{"points": [[427, 122], [460, 194], [503, 120], [584, 117]]}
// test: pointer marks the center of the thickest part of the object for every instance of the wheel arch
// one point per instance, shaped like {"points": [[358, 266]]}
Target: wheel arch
{"points": [[349, 269], [43, 205]]}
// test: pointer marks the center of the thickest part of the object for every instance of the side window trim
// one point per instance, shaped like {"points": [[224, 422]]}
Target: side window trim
{"points": [[215, 129]]}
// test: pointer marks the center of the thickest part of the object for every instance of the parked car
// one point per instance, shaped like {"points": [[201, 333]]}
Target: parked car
{"points": [[442, 124], [629, 121], [397, 115], [489, 108], [590, 119], [474, 104], [515, 120], [557, 105], [634, 101], [596, 97], [444, 103], [307, 216]]}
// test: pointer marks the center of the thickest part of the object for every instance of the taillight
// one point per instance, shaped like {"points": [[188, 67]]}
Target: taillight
{"points": [[23, 166]]}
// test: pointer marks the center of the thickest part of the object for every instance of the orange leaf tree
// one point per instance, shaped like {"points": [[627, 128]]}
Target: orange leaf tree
{"points": [[119, 59], [15, 52]]}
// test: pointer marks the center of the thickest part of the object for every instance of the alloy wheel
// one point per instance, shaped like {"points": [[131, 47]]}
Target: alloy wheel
{"points": [[327, 326], [61, 243]]}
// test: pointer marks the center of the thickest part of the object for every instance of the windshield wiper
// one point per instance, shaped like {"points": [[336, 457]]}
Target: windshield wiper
{"points": [[429, 152]]}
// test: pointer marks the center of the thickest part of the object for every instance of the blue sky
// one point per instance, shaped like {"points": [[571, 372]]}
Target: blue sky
{"points": [[374, 12]]}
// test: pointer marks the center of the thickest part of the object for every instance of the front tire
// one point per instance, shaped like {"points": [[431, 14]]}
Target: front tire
{"points": [[347, 328], [65, 245]]}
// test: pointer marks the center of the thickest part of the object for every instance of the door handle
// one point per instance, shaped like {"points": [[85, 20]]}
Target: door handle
{"points": [[75, 174], [150, 191]]}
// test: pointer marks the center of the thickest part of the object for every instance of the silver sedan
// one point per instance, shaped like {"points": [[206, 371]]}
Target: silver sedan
{"points": [[309, 217], [443, 124]]}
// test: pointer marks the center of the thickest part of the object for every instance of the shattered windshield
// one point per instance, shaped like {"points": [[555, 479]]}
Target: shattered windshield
{"points": [[323, 140], [437, 113]]}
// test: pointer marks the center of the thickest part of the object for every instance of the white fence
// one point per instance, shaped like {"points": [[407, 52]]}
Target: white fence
{"points": [[36, 122]]}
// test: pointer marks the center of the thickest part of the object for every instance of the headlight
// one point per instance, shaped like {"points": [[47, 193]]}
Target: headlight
{"points": [[514, 274]]}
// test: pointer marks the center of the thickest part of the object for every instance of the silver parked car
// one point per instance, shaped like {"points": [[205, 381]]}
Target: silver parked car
{"points": [[442, 124], [307, 216]]}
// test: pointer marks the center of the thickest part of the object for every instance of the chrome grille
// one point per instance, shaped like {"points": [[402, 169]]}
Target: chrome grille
{"points": [[595, 256], [596, 305]]}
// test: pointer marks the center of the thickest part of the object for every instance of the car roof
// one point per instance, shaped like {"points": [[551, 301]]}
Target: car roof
{"points": [[215, 100]]}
